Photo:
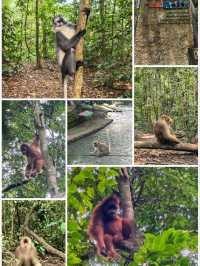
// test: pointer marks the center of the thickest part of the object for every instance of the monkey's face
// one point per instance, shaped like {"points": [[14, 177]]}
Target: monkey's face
{"points": [[96, 144], [25, 241], [58, 21], [167, 118], [24, 149], [111, 209]]}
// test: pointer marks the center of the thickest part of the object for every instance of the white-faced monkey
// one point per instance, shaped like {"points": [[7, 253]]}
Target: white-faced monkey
{"points": [[26, 253], [67, 39], [163, 132]]}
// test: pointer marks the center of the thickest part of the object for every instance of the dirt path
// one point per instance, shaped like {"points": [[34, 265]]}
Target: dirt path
{"points": [[162, 36], [44, 83]]}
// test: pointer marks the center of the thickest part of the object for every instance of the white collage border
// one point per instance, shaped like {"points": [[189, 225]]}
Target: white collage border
{"points": [[132, 124]]}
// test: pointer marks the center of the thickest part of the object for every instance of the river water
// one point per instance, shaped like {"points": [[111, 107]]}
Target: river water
{"points": [[118, 133]]}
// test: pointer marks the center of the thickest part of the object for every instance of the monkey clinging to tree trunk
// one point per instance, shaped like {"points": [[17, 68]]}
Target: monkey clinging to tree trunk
{"points": [[67, 38]]}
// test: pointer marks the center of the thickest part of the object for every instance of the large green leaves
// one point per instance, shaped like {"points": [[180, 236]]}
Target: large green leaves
{"points": [[165, 249]]}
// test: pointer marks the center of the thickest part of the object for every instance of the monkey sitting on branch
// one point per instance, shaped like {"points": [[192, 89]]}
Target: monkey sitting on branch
{"points": [[108, 228], [163, 132], [101, 149], [26, 253]]}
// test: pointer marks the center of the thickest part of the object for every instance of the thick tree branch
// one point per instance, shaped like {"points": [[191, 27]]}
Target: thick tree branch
{"points": [[14, 185], [127, 245], [154, 145], [49, 248]]}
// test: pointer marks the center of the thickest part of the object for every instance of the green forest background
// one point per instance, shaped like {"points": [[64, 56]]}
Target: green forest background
{"points": [[47, 221], [28, 35], [165, 204], [17, 128], [171, 91]]}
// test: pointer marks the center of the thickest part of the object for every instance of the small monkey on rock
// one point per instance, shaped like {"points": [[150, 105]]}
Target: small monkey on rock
{"points": [[101, 149], [26, 253], [163, 132]]}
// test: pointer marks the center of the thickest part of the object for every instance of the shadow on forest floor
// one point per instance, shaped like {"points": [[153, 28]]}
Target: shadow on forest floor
{"points": [[44, 83]]}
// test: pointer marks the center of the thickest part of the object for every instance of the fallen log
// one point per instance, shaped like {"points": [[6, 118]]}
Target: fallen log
{"points": [[93, 155], [178, 147]]}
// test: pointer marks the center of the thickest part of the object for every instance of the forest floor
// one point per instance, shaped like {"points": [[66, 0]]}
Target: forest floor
{"points": [[50, 261], [162, 156], [30, 82], [46, 261]]}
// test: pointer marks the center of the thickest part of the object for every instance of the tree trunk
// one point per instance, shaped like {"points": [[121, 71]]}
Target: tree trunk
{"points": [[37, 41], [113, 22], [126, 199], [133, 243], [25, 29], [102, 19], [78, 80], [49, 166], [44, 31], [154, 145]]}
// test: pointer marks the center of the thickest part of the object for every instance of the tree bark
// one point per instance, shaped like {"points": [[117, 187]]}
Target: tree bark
{"points": [[78, 79], [136, 239], [37, 42], [44, 31], [102, 19], [49, 166], [113, 22], [154, 145], [48, 247], [126, 199]]}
